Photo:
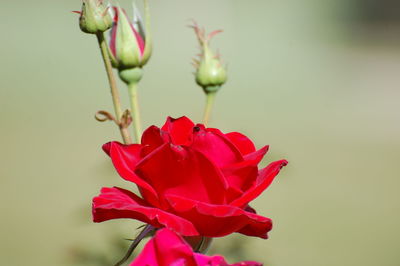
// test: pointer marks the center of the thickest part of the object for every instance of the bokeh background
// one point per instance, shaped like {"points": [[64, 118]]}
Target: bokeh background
{"points": [[317, 80]]}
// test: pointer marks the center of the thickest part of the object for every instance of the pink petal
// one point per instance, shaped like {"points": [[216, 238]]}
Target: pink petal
{"points": [[264, 179], [219, 220], [203, 260], [167, 248], [116, 203], [171, 247], [139, 40], [114, 32]]}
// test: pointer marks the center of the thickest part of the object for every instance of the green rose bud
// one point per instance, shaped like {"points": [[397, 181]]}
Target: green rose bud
{"points": [[95, 17], [210, 73], [130, 44]]}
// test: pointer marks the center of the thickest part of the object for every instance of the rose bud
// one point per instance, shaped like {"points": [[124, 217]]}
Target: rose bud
{"points": [[210, 73], [130, 44], [95, 17]]}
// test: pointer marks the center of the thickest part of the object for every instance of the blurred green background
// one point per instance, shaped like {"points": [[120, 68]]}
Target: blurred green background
{"points": [[317, 80]]}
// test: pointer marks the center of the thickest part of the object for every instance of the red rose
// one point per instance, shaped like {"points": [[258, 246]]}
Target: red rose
{"points": [[167, 248], [193, 180]]}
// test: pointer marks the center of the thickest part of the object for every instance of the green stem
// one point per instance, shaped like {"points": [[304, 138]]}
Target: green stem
{"points": [[113, 85], [137, 127], [210, 99]]}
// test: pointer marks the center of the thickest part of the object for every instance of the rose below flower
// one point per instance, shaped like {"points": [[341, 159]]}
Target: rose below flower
{"points": [[167, 248]]}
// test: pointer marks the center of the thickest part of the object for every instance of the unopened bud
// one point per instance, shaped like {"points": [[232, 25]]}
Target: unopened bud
{"points": [[210, 73], [130, 44], [95, 17]]}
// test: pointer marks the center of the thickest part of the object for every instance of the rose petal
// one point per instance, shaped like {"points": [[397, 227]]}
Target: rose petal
{"points": [[264, 179], [257, 156], [216, 147], [129, 153], [166, 248], [183, 171], [219, 220], [242, 176], [152, 138], [203, 260], [125, 159], [180, 130], [116, 203], [243, 143]]}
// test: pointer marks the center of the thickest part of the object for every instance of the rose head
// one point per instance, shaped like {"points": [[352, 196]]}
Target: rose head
{"points": [[194, 180], [167, 248]]}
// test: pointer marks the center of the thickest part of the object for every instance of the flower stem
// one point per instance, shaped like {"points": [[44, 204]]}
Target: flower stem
{"points": [[210, 99], [113, 85], [200, 244], [147, 230], [137, 126]]}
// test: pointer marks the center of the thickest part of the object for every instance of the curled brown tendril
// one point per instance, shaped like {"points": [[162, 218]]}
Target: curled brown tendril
{"points": [[103, 116]]}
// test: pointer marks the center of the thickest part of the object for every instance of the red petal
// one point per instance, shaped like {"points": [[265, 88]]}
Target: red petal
{"points": [[116, 203], [264, 179], [153, 138], [129, 153], [216, 147], [125, 159], [241, 176], [243, 143], [257, 156], [180, 130], [183, 171], [219, 220]]}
